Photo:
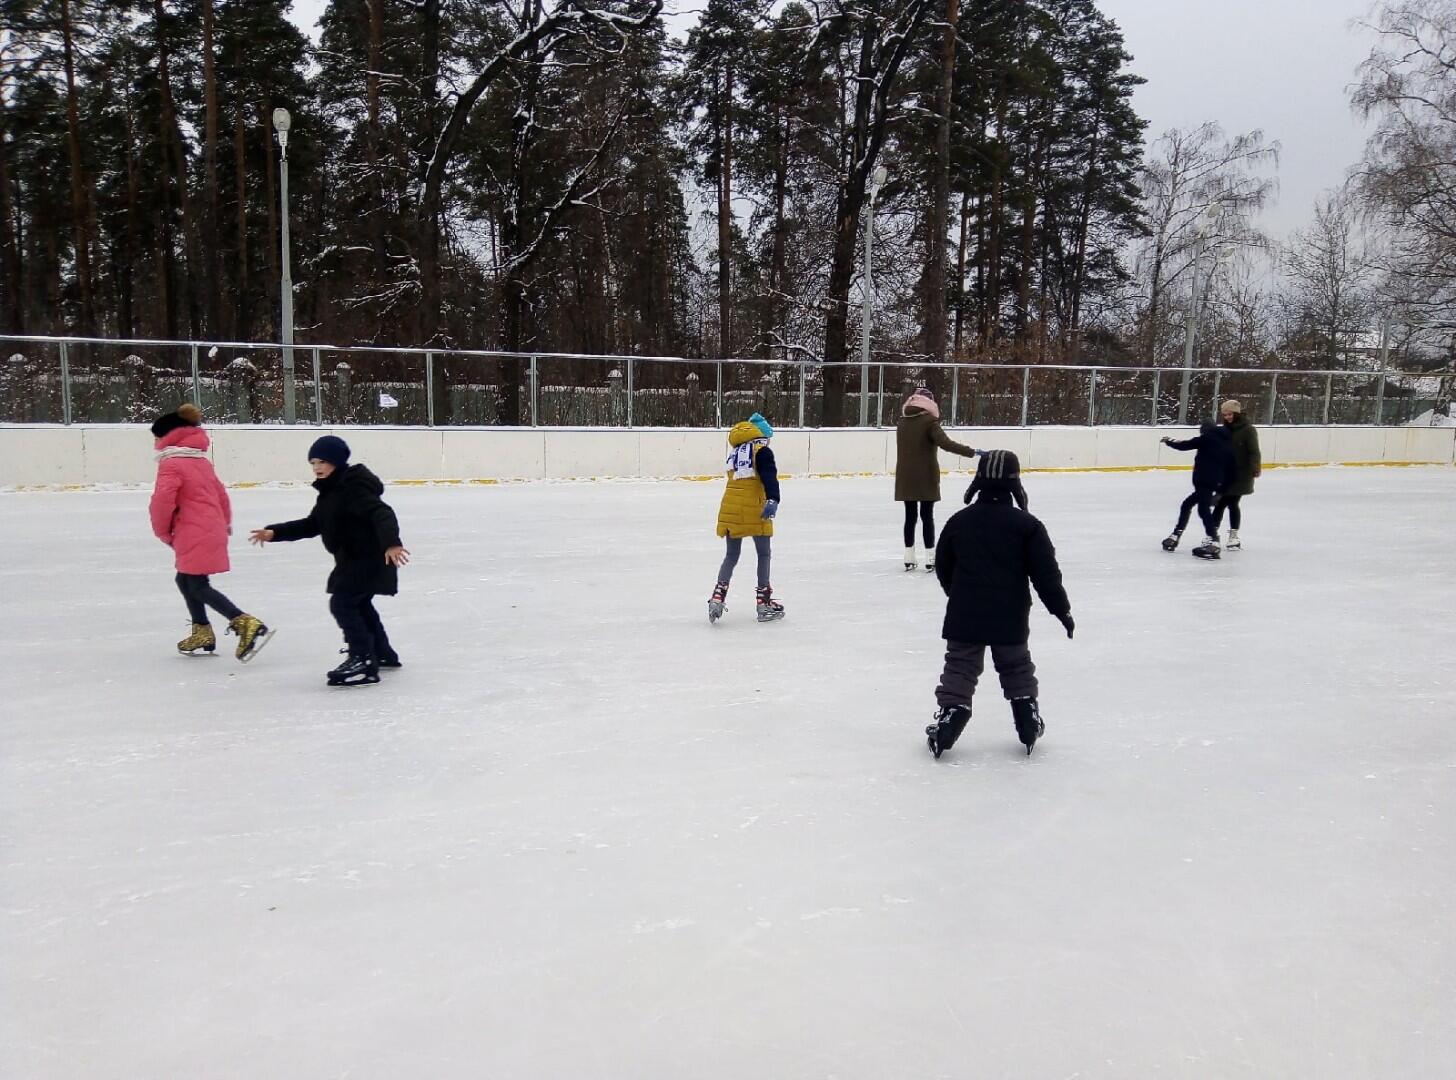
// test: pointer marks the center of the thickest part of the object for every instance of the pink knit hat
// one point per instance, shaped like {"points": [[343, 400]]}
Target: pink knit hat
{"points": [[921, 399]]}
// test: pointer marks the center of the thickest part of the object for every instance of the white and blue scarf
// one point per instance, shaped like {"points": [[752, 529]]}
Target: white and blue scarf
{"points": [[740, 459]]}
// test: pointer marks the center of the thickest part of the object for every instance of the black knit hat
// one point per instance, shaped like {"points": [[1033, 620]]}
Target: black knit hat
{"points": [[187, 415], [330, 448]]}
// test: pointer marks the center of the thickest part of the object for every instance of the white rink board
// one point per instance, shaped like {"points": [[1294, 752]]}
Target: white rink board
{"points": [[43, 455], [584, 834]]}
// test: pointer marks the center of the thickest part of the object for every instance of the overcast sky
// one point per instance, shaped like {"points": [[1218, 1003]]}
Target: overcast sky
{"points": [[1280, 65]]}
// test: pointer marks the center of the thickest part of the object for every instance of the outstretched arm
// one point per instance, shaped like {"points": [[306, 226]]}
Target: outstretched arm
{"points": [[946, 443], [302, 529]]}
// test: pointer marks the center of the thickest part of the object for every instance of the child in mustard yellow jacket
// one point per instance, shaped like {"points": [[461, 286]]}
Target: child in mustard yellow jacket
{"points": [[750, 501]]}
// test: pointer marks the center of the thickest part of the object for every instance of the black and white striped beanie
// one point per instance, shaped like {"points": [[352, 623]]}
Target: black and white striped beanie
{"points": [[998, 466]]}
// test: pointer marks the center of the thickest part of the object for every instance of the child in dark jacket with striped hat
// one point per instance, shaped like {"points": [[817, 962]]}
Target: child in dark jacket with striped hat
{"points": [[989, 556]]}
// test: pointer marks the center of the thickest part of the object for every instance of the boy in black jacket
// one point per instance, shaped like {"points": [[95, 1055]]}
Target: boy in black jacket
{"points": [[986, 556], [360, 530], [1212, 467]]}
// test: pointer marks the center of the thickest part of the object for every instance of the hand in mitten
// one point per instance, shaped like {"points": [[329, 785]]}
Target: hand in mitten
{"points": [[770, 508], [1066, 620]]}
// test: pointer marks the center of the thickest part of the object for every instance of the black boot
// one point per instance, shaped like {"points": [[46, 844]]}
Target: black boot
{"points": [[354, 671], [950, 721], [1029, 726]]}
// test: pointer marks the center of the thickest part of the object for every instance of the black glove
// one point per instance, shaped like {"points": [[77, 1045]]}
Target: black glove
{"points": [[1165, 440], [1066, 620]]}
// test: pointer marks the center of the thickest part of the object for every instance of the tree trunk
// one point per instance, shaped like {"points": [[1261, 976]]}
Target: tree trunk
{"points": [[960, 313], [373, 139], [991, 313], [1079, 259], [133, 231], [213, 224], [779, 257], [725, 217], [935, 314], [172, 136], [242, 323], [79, 214], [12, 305]]}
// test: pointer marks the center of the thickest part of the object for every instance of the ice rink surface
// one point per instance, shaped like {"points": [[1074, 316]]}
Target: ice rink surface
{"points": [[583, 834]]}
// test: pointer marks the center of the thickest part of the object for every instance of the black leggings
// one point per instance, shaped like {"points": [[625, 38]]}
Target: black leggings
{"points": [[200, 595], [1231, 504], [1203, 499], [362, 627], [926, 512]]}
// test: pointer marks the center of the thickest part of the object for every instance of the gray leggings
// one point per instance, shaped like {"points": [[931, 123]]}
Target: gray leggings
{"points": [[964, 662], [735, 549]]}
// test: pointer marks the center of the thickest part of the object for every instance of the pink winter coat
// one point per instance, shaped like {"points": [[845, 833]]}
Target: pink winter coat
{"points": [[191, 512]]}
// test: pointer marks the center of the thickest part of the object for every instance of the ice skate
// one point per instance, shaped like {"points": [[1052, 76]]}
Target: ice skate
{"points": [[930, 560], [1171, 543], [950, 721], [716, 605], [769, 609], [354, 671], [252, 636], [1029, 726], [909, 558], [1208, 549], [1234, 543], [202, 638]]}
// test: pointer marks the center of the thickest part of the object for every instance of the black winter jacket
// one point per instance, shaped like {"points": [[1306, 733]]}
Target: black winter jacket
{"points": [[1213, 465], [357, 527], [987, 554]]}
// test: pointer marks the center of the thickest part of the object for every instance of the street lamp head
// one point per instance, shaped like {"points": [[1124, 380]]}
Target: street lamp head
{"points": [[281, 123]]}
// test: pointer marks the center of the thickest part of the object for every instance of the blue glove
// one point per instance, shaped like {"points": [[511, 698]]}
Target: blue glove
{"points": [[770, 508]]}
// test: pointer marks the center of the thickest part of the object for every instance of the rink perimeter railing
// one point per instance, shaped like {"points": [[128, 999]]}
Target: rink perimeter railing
{"points": [[73, 380]]}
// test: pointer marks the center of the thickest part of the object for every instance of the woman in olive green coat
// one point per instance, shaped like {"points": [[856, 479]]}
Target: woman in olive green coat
{"points": [[917, 469], [1248, 464]]}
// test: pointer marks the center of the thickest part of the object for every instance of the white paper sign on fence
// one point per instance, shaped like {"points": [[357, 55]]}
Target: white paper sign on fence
{"points": [[387, 402]]}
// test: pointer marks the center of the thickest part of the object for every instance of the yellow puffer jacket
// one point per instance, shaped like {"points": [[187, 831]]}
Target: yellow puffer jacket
{"points": [[738, 513]]}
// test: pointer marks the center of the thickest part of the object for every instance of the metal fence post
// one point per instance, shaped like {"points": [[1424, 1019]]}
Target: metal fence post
{"points": [[1025, 393], [1329, 389], [318, 388], [1157, 389], [955, 388], [1379, 402], [803, 380], [1217, 391], [880, 400], [629, 391], [718, 402], [65, 384], [535, 394], [196, 379], [430, 389], [1092, 400], [1273, 396]]}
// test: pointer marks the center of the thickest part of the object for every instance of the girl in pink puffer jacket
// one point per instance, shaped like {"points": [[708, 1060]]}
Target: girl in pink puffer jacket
{"points": [[192, 515]]}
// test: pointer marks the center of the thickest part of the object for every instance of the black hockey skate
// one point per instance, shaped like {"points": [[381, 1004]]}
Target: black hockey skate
{"points": [[1029, 726], [1171, 543], [769, 609], [355, 671], [950, 721], [716, 604], [1208, 549]]}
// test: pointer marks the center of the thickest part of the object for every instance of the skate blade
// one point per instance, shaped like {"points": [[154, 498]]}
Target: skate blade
{"points": [[196, 652], [1208, 555], [258, 643], [909, 566], [775, 617], [715, 611], [367, 680]]}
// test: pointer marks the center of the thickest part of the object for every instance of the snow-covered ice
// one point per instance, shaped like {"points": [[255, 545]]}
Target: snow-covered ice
{"points": [[585, 834]]}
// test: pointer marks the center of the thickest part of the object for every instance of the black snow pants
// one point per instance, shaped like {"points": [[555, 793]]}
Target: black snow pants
{"points": [[964, 662], [1204, 499], [199, 595], [362, 627]]}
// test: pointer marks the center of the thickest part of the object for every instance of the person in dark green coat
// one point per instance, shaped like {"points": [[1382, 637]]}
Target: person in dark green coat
{"points": [[1247, 467], [918, 435]]}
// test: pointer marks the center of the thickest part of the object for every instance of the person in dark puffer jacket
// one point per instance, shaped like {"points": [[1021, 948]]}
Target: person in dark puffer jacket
{"points": [[989, 556], [1212, 467], [360, 530]]}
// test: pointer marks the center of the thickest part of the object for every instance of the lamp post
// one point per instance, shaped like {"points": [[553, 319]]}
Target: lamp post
{"points": [[281, 123], [878, 181], [1208, 220]]}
